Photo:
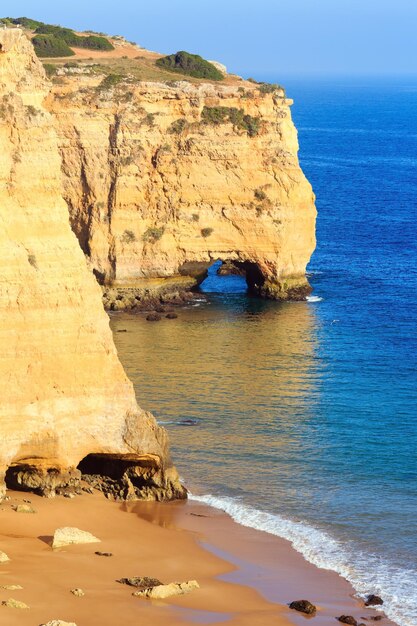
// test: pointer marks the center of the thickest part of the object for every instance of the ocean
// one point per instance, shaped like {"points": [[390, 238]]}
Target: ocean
{"points": [[300, 418]]}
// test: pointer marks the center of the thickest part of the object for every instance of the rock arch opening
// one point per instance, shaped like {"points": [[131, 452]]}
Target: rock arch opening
{"points": [[241, 276]]}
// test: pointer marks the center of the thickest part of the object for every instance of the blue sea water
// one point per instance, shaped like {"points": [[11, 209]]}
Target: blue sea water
{"points": [[305, 413]]}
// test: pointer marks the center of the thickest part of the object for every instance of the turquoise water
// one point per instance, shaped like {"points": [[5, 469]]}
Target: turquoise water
{"points": [[304, 414]]}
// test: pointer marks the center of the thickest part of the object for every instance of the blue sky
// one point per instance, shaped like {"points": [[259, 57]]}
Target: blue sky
{"points": [[263, 38]]}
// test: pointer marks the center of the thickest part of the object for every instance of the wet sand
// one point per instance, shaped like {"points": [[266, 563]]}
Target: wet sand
{"points": [[246, 577]]}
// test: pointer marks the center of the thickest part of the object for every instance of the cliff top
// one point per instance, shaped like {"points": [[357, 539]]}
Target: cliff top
{"points": [[112, 55]]}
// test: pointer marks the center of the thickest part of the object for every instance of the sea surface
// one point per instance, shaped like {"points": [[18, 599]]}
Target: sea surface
{"points": [[301, 418]]}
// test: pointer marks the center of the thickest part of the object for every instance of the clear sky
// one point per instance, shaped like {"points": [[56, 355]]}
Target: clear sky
{"points": [[254, 37]]}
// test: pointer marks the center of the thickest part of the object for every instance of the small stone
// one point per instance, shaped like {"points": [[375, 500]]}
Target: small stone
{"points": [[89, 490], [153, 317], [11, 587], [78, 592], [373, 600], [23, 508], [161, 592], [347, 619], [14, 604], [3, 557], [140, 582], [303, 606], [67, 536], [68, 494], [171, 316], [104, 553], [59, 622]]}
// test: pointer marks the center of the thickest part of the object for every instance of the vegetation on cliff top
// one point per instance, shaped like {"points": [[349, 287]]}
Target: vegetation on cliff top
{"points": [[55, 41], [215, 116], [191, 65], [49, 46]]}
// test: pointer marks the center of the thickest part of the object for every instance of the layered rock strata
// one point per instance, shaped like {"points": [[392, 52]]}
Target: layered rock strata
{"points": [[163, 179], [65, 396]]}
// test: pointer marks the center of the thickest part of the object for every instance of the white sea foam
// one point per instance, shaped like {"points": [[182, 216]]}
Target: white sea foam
{"points": [[366, 572], [314, 299]]}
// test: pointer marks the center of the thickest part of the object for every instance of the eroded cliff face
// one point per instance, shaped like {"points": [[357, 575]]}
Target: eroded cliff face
{"points": [[64, 394], [161, 180]]}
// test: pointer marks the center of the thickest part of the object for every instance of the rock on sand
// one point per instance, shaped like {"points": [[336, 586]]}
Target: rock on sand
{"points": [[166, 591], [67, 536]]}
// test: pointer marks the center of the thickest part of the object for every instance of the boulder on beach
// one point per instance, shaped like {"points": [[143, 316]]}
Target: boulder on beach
{"points": [[3, 557], [160, 592], [14, 604], [303, 606], [348, 619], [67, 535], [373, 600], [153, 317], [140, 582], [24, 508]]}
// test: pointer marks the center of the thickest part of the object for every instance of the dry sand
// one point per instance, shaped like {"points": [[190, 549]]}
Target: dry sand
{"points": [[246, 577]]}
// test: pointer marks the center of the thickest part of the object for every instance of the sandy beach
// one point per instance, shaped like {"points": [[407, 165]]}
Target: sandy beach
{"points": [[246, 577]]}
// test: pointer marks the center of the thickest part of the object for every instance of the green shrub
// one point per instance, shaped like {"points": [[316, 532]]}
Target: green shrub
{"points": [[128, 236], [26, 22], [50, 46], [32, 260], [195, 217], [191, 65], [153, 234], [50, 69], [260, 195], [109, 82], [178, 126], [270, 88], [206, 232], [91, 42], [223, 115]]}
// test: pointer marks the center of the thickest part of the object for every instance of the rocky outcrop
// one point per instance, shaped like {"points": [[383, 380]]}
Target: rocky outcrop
{"points": [[163, 179], [64, 394]]}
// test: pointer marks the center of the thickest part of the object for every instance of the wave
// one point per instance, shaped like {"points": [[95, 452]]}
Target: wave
{"points": [[367, 573], [314, 299]]}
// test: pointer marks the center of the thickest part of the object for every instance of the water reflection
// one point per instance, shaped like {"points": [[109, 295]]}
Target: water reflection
{"points": [[241, 373]]}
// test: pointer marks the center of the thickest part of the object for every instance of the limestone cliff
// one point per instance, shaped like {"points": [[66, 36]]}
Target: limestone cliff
{"points": [[164, 178], [64, 394]]}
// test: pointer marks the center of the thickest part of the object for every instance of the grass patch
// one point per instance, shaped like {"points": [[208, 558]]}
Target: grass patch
{"points": [[191, 65], [206, 232], [215, 116]]}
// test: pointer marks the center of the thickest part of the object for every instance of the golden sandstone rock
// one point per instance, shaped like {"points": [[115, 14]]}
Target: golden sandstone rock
{"points": [[64, 394], [163, 179], [157, 181]]}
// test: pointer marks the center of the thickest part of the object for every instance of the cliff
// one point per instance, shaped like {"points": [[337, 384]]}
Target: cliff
{"points": [[65, 397], [162, 178]]}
